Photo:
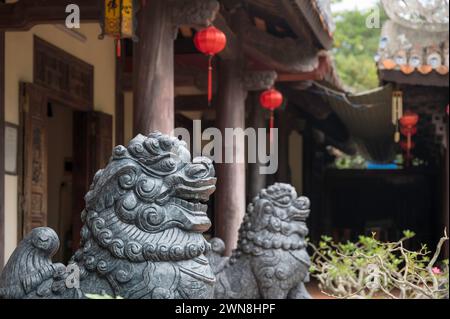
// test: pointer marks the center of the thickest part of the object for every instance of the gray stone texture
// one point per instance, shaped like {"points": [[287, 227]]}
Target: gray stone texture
{"points": [[142, 234], [271, 261]]}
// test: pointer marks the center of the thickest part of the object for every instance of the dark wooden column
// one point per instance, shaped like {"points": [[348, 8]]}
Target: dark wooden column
{"points": [[154, 59], [445, 194], [230, 194], [257, 119], [120, 102], [256, 82], [154, 70], [284, 129], [2, 149]]}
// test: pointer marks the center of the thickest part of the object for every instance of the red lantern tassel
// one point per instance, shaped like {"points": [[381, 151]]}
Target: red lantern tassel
{"points": [[118, 48], [210, 80], [272, 125]]}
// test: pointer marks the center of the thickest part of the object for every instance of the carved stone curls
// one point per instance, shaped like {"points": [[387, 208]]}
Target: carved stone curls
{"points": [[142, 234]]}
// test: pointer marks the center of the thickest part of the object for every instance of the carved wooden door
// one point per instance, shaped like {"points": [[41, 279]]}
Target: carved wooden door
{"points": [[93, 145], [33, 178]]}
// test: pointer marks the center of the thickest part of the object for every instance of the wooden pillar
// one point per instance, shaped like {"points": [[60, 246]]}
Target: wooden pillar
{"points": [[154, 59], [154, 70], [256, 81], [2, 149], [257, 119], [120, 102], [230, 193], [445, 194], [283, 124]]}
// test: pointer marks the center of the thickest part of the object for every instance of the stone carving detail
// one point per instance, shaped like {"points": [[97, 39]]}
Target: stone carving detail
{"points": [[271, 261], [259, 80], [195, 12], [142, 234]]}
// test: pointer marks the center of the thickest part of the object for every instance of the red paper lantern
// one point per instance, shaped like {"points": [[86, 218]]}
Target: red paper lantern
{"points": [[271, 100], [210, 41], [409, 119], [409, 123]]}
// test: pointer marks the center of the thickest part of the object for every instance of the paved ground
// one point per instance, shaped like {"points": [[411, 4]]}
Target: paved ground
{"points": [[314, 291]]}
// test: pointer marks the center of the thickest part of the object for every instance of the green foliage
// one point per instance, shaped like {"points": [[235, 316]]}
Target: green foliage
{"points": [[373, 269], [350, 162], [355, 48]]}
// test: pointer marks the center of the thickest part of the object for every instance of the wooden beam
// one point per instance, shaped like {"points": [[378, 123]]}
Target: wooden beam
{"points": [[191, 103], [300, 26], [24, 14], [280, 54], [2, 149], [318, 74]]}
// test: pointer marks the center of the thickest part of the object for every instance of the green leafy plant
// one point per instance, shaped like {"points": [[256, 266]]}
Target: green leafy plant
{"points": [[373, 269]]}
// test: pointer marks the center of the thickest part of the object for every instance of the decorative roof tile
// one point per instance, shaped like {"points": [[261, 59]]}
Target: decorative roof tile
{"points": [[412, 51]]}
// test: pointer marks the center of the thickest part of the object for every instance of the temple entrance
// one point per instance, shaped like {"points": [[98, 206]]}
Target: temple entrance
{"points": [[60, 175], [63, 147]]}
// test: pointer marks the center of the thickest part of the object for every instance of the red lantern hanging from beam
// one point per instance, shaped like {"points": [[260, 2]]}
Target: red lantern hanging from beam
{"points": [[408, 123], [210, 41], [409, 119], [271, 100]]}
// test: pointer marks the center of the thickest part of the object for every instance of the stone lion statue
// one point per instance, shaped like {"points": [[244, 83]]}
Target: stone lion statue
{"points": [[142, 234], [271, 261]]}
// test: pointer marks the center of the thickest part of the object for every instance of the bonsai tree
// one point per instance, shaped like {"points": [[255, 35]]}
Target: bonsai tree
{"points": [[372, 269]]}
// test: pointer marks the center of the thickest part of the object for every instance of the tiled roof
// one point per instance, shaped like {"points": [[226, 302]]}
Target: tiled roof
{"points": [[413, 51], [414, 43]]}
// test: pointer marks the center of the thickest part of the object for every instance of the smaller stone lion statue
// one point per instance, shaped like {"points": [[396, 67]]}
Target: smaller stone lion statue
{"points": [[271, 261]]}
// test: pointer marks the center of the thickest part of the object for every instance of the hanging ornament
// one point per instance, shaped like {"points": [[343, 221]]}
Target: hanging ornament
{"points": [[119, 21], [405, 147], [409, 119], [210, 41], [409, 129], [271, 100], [397, 112]]}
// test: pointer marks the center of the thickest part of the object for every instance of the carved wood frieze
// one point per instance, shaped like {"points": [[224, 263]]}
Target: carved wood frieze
{"points": [[194, 12], [259, 80], [282, 54], [63, 73]]}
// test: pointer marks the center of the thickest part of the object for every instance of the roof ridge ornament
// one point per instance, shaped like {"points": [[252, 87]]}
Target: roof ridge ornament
{"points": [[429, 15]]}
